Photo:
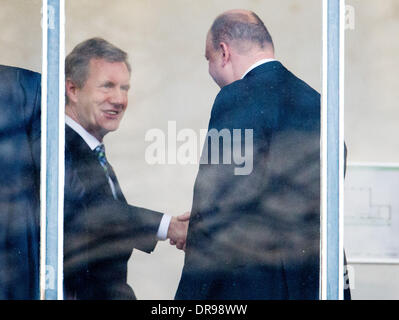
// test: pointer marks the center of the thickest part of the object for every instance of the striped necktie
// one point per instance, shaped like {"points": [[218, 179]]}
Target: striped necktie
{"points": [[100, 152]]}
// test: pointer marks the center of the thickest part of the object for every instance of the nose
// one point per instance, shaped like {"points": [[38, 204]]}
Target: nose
{"points": [[119, 98]]}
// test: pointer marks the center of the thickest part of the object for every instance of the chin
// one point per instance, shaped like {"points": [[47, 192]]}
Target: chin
{"points": [[110, 128], [222, 82]]}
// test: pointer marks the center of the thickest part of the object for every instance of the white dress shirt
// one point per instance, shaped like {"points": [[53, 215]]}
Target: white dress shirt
{"points": [[257, 64], [92, 142]]}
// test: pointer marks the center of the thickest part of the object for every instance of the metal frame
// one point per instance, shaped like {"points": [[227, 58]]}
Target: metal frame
{"points": [[52, 151], [332, 146]]}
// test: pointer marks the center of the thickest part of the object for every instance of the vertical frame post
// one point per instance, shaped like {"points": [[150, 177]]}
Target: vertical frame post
{"points": [[332, 260], [52, 151]]}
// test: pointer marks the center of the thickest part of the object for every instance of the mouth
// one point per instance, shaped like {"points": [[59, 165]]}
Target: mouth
{"points": [[111, 113]]}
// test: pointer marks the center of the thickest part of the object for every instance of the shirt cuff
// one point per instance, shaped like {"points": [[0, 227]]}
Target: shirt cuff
{"points": [[162, 233]]}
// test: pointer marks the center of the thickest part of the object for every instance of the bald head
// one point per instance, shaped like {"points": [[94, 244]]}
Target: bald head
{"points": [[241, 29], [237, 40]]}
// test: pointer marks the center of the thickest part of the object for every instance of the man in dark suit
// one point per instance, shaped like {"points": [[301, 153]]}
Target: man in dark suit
{"points": [[255, 235], [101, 228], [20, 98]]}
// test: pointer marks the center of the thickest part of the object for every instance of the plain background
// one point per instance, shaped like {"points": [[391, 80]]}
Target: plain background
{"points": [[166, 44]]}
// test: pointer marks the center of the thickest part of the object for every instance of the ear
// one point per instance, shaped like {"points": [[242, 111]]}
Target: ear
{"points": [[71, 90], [226, 54]]}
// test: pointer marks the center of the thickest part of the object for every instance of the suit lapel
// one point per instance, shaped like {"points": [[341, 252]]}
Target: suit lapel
{"points": [[118, 189], [90, 167]]}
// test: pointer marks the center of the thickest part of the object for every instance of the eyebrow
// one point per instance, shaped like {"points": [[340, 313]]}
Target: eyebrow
{"points": [[107, 83], [110, 83]]}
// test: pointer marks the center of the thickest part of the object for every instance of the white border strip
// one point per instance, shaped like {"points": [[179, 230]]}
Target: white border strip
{"points": [[341, 144], [61, 152], [43, 160], [393, 165], [373, 261], [323, 167]]}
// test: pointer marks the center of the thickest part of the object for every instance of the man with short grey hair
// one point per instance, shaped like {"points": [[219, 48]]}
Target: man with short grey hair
{"points": [[77, 63], [101, 228], [256, 236]]}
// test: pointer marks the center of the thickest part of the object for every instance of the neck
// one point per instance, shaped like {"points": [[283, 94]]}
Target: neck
{"points": [[249, 60], [71, 112]]}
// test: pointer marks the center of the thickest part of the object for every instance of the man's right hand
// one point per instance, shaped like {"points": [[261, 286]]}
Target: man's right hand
{"points": [[177, 232]]}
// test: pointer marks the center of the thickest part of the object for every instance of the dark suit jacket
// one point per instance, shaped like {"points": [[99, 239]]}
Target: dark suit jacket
{"points": [[257, 236], [20, 97], [100, 232]]}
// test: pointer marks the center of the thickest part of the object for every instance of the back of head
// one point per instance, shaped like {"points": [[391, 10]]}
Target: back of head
{"points": [[77, 62], [241, 29]]}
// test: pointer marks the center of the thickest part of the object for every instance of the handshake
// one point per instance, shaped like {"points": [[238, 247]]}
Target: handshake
{"points": [[177, 232]]}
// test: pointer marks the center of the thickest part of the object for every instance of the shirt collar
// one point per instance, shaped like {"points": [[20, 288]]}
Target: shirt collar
{"points": [[257, 64], [87, 137]]}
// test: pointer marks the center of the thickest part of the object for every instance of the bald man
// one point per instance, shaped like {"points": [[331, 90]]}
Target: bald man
{"points": [[254, 234]]}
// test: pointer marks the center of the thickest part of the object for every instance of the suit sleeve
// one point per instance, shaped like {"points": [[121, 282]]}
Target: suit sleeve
{"points": [[115, 221], [31, 83], [143, 225], [19, 206]]}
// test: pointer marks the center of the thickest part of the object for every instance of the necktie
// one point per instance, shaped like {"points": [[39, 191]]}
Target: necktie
{"points": [[100, 152]]}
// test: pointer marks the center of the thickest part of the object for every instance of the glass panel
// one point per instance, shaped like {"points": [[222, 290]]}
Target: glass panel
{"points": [[52, 173], [20, 98], [255, 220], [371, 206]]}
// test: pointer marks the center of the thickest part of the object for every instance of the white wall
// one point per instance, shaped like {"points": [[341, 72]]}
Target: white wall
{"points": [[371, 114]]}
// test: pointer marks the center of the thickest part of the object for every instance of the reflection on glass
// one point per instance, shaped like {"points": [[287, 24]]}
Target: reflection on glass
{"points": [[256, 198], [371, 208], [20, 97]]}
